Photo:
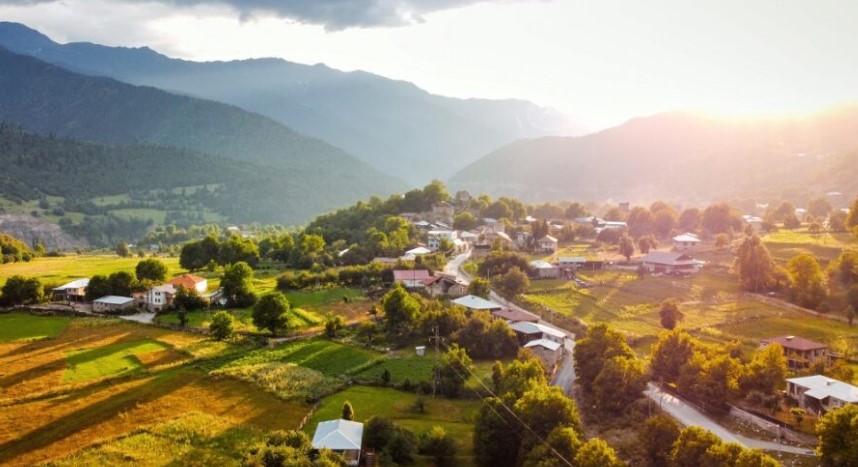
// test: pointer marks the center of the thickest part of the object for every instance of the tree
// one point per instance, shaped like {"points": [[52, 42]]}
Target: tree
{"points": [[670, 314], [626, 246], [19, 290], [767, 370], [755, 458], [722, 240], [151, 269], [562, 441], [237, 249], [189, 299], [484, 337], [348, 411], [850, 314], [518, 377], [819, 207], [237, 285], [600, 344], [597, 453], [798, 414], [333, 326], [464, 221], [689, 220], [647, 243], [845, 267], [640, 221], [122, 250], [713, 379], [511, 283], [479, 287], [754, 265], [222, 325], [401, 311], [657, 436], [576, 210], [99, 286], [497, 433], [838, 437], [672, 350], [691, 446], [438, 444], [721, 218], [664, 221], [807, 282], [272, 313], [377, 432], [454, 370], [852, 217], [544, 408], [122, 283], [852, 297], [621, 381]]}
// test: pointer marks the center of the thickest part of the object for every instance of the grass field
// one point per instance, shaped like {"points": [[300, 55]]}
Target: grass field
{"points": [[20, 326], [67, 268], [46, 418], [112, 360], [456, 417]]}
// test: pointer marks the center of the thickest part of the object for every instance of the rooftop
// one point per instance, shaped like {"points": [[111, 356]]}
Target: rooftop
{"points": [[686, 237], [410, 274], [661, 257], [338, 435], [114, 300], [515, 315], [820, 387], [535, 328], [75, 284], [188, 281], [795, 343], [476, 303], [540, 264], [548, 344]]}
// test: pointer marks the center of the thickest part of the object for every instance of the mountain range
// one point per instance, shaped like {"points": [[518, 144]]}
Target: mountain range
{"points": [[392, 125], [684, 157], [295, 176]]}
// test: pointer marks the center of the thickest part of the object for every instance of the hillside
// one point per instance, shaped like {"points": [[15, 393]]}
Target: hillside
{"points": [[46, 99], [683, 157], [393, 125]]}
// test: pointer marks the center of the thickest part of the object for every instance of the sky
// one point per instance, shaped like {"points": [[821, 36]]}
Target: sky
{"points": [[600, 61]]}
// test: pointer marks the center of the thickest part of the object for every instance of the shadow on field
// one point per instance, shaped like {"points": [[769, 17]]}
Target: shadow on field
{"points": [[92, 415], [9, 381]]}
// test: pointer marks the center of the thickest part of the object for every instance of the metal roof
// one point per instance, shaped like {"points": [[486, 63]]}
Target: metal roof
{"points": [[338, 435], [75, 284], [114, 300], [476, 303]]}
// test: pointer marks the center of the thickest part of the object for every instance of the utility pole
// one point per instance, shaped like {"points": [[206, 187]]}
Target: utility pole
{"points": [[436, 371]]}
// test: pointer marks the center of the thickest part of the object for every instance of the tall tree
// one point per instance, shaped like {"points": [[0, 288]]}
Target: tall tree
{"points": [[151, 269], [670, 314], [640, 221], [838, 437], [657, 436], [672, 350], [348, 411], [597, 453], [852, 217], [237, 285], [754, 265], [600, 344], [807, 282], [454, 370], [272, 313], [401, 311], [767, 370], [621, 381], [626, 246], [511, 283], [479, 287], [689, 220], [19, 290], [721, 218]]}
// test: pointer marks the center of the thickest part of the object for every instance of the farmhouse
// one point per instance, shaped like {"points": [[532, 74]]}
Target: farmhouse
{"points": [[74, 291], [472, 302], [411, 278], [670, 263], [800, 352], [189, 282], [515, 316], [441, 284], [527, 332], [434, 238], [112, 303], [546, 244], [571, 262], [160, 298], [547, 350], [819, 394], [686, 241], [344, 437], [544, 270]]}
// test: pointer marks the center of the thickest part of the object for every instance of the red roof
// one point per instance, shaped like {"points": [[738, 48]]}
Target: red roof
{"points": [[795, 343], [188, 281], [410, 275], [516, 315]]}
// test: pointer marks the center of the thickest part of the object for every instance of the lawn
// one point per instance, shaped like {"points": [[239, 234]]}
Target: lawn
{"points": [[415, 368], [785, 244], [59, 270], [455, 416], [112, 360], [20, 326]]}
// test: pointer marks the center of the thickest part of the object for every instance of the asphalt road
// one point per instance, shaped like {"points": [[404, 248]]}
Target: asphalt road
{"points": [[690, 416]]}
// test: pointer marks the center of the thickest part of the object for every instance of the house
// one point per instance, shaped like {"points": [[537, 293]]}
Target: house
{"points": [[469, 237], [474, 303], [544, 270], [413, 253], [343, 437], [434, 238], [800, 352], [190, 282], [819, 394], [411, 278], [112, 303], [571, 262], [527, 331], [686, 241], [546, 350], [160, 298], [515, 316], [74, 291], [442, 284], [490, 236], [670, 263], [546, 244]]}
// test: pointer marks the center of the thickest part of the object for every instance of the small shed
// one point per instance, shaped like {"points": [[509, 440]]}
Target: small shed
{"points": [[547, 350], [341, 436], [112, 303], [421, 350]]}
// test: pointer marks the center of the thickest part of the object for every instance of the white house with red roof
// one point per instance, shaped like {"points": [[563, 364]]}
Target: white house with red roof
{"points": [[190, 282]]}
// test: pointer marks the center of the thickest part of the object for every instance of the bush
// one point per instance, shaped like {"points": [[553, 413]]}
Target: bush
{"points": [[222, 325]]}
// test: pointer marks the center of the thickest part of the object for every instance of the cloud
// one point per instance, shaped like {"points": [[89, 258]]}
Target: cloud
{"points": [[334, 15]]}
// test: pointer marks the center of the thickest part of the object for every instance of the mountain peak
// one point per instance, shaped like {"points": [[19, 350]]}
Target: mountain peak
{"points": [[18, 37]]}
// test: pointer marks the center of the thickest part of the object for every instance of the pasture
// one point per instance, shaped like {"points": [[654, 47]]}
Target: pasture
{"points": [[77, 390], [59, 270], [21, 326], [456, 417]]}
